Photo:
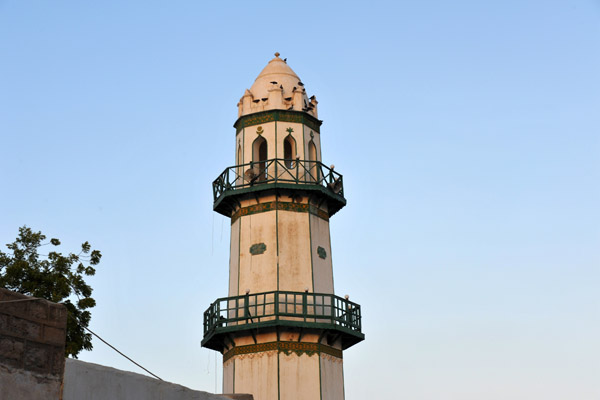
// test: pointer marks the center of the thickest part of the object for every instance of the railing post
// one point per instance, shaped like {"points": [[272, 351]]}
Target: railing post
{"points": [[276, 306], [332, 305], [348, 315], [304, 308]]}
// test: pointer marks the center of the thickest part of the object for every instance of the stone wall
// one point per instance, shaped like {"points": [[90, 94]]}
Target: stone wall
{"points": [[32, 347]]}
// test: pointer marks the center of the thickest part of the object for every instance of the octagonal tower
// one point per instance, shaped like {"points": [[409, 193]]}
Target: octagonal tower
{"points": [[281, 330]]}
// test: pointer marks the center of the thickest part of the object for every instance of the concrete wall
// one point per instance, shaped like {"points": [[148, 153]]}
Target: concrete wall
{"points": [[87, 381], [32, 347]]}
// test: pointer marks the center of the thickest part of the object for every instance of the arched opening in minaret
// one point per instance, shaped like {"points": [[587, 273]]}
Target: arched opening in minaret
{"points": [[289, 151], [312, 165], [259, 158]]}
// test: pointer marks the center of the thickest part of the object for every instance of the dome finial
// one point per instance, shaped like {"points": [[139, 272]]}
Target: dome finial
{"points": [[276, 54]]}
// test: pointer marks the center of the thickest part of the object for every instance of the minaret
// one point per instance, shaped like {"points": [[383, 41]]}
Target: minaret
{"points": [[281, 330]]}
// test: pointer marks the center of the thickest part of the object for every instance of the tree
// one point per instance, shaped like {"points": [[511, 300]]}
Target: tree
{"points": [[54, 277]]}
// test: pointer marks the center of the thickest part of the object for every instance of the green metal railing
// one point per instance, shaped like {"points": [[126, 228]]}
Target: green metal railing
{"points": [[289, 308], [278, 170]]}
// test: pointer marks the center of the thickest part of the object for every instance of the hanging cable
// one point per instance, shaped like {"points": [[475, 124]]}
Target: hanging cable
{"points": [[111, 346]]}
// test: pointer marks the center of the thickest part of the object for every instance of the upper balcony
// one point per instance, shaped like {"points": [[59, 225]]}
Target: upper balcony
{"points": [[279, 309], [278, 173]]}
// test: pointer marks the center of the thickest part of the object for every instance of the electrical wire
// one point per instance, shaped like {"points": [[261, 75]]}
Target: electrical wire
{"points": [[112, 347]]}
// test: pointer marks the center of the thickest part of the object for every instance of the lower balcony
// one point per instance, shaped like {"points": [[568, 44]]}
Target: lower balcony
{"points": [[252, 313]]}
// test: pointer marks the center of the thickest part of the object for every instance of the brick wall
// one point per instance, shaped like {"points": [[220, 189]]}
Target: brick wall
{"points": [[32, 345]]}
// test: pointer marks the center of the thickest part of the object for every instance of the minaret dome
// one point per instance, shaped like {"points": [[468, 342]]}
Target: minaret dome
{"points": [[277, 87]]}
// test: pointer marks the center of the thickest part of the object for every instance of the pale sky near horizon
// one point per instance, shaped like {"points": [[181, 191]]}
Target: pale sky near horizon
{"points": [[467, 133]]}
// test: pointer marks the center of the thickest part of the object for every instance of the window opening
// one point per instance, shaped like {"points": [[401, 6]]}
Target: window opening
{"points": [[289, 151], [259, 159], [240, 168], [312, 156]]}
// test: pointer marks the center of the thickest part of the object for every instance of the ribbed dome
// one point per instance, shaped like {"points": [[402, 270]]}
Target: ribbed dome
{"points": [[278, 71]]}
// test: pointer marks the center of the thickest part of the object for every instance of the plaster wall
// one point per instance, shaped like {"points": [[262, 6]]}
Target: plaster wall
{"points": [[228, 368], [295, 268], [299, 377], [258, 273], [260, 338], [271, 375], [291, 260], [275, 133], [234, 259], [289, 336], [332, 378], [322, 267], [288, 374], [256, 374], [240, 156], [87, 381]]}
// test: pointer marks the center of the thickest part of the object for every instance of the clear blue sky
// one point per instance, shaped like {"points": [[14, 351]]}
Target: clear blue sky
{"points": [[467, 133]]}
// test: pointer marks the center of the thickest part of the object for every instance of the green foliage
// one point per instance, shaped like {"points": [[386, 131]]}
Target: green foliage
{"points": [[55, 277]]}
